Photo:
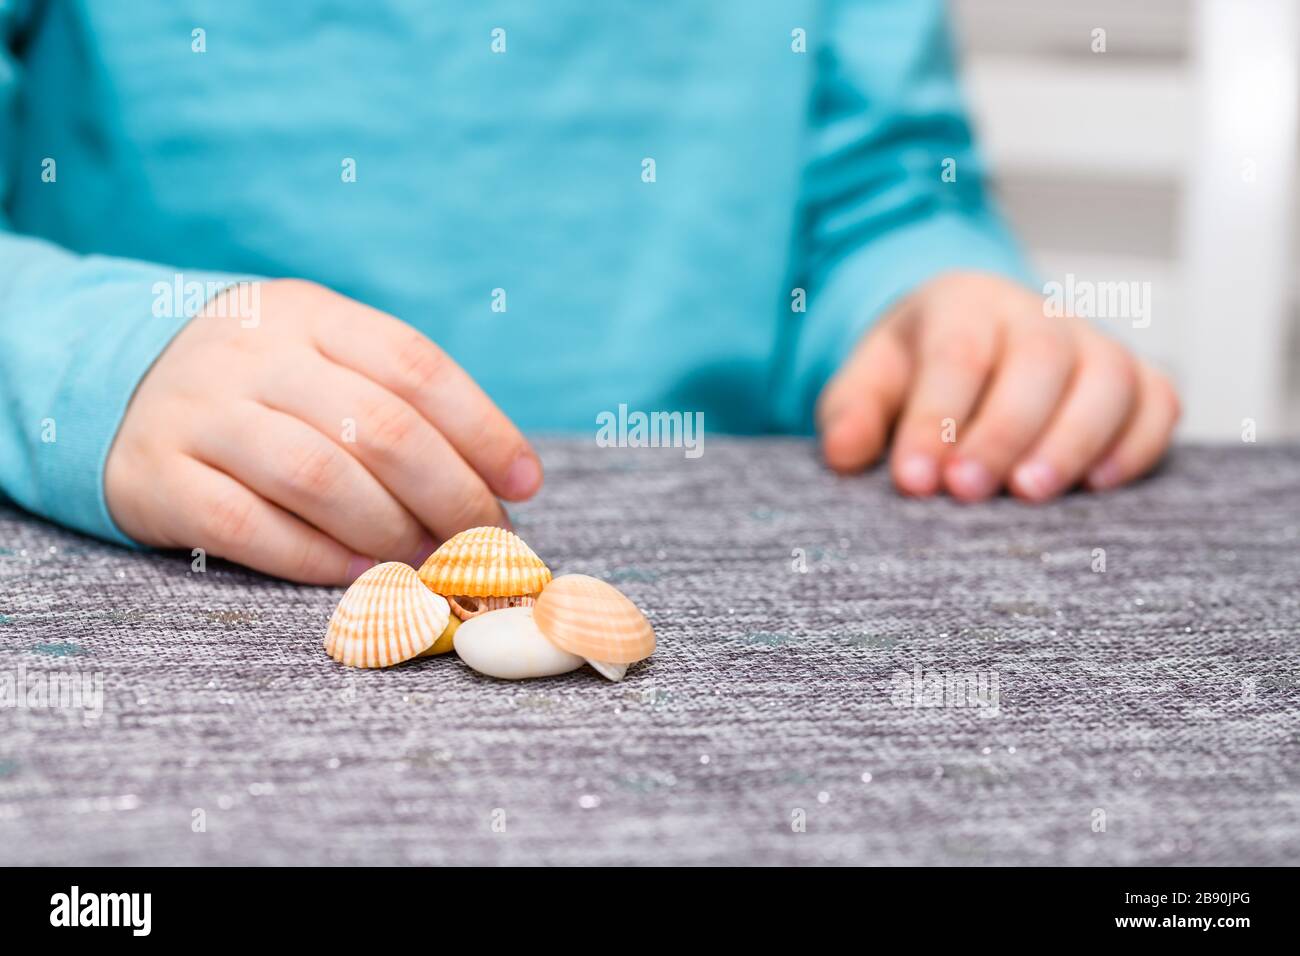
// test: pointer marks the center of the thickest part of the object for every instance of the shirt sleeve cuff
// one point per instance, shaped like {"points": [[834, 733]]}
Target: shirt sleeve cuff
{"points": [[133, 318]]}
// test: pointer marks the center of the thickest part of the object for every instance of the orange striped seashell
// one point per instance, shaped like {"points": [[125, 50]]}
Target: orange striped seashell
{"points": [[587, 617], [387, 616], [484, 563]]}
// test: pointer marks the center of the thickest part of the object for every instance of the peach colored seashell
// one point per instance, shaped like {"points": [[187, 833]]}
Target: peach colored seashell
{"points": [[484, 562], [587, 617], [387, 616]]}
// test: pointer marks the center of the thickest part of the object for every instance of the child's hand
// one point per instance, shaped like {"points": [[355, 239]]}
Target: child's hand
{"points": [[325, 438], [1034, 403]]}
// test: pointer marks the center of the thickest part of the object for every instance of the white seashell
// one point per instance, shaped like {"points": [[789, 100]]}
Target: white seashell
{"points": [[614, 672], [507, 644]]}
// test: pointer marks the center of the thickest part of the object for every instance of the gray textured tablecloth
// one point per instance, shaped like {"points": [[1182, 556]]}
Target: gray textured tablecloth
{"points": [[1146, 713]]}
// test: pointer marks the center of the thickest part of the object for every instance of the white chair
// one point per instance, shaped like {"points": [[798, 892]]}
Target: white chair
{"points": [[1192, 99]]}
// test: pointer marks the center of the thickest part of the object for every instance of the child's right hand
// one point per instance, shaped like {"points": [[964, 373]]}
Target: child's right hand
{"points": [[326, 437]]}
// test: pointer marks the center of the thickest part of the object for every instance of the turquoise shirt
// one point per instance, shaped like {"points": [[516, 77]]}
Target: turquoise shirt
{"points": [[681, 205]]}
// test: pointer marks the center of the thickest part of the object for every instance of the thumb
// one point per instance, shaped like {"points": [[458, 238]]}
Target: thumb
{"points": [[859, 404]]}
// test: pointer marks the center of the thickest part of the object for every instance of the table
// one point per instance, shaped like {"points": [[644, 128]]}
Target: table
{"points": [[843, 676]]}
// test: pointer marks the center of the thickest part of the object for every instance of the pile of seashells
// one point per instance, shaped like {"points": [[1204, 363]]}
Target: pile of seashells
{"points": [[489, 596]]}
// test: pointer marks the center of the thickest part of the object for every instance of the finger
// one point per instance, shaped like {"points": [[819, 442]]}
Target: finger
{"points": [[1144, 438], [396, 356], [294, 466], [1036, 365], [1097, 403], [395, 443], [217, 513], [954, 365], [859, 404]]}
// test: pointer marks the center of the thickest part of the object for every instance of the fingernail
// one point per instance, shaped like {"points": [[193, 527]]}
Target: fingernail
{"points": [[970, 479], [1036, 480], [523, 476], [1106, 475], [359, 565], [918, 474], [422, 551]]}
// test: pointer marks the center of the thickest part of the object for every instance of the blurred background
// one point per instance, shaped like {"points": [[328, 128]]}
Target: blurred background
{"points": [[1156, 141]]}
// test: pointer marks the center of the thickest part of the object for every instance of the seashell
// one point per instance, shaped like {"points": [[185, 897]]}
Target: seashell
{"points": [[484, 564], [444, 642], [587, 617], [466, 607], [507, 644], [387, 616], [614, 672]]}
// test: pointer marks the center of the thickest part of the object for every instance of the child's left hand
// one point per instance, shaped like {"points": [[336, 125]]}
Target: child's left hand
{"points": [[986, 391]]}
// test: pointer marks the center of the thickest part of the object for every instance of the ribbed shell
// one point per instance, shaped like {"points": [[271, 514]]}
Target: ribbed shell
{"points": [[484, 562], [587, 617], [387, 616]]}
